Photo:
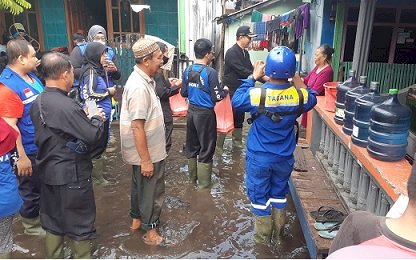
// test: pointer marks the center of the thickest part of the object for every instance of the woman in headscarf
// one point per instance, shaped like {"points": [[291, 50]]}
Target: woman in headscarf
{"points": [[96, 34], [95, 87], [165, 88]]}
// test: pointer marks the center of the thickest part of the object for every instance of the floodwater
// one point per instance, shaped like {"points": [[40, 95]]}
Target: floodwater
{"points": [[196, 224]]}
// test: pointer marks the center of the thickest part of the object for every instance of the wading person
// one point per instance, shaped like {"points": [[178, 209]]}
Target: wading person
{"points": [[143, 142], [95, 87], [271, 140], [10, 201], [67, 139], [165, 88], [237, 66], [19, 77], [201, 86]]}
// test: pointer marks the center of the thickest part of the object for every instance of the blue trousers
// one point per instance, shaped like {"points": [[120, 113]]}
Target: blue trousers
{"points": [[267, 185]]}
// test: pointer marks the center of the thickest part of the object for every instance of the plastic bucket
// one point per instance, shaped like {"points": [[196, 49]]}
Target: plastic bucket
{"points": [[330, 95]]}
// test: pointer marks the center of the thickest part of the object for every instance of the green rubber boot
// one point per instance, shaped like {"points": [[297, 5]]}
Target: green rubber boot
{"points": [[204, 175], [32, 226], [192, 167], [220, 143], [7, 255], [238, 137], [98, 171], [279, 220], [81, 249], [54, 245], [263, 227]]}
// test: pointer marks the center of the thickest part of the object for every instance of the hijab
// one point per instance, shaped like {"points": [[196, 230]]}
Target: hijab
{"points": [[94, 30], [92, 57]]}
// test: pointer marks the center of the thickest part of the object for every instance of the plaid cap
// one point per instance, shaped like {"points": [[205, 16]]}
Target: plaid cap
{"points": [[144, 47]]}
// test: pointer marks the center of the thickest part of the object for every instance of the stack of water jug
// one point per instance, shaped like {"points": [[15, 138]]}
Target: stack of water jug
{"points": [[377, 122]]}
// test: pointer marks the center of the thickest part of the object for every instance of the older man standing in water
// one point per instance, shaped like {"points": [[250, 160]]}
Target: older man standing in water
{"points": [[67, 140], [142, 134]]}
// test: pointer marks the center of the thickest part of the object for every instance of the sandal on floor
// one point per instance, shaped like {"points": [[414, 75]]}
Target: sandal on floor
{"points": [[328, 234], [325, 225], [331, 216], [331, 232], [322, 211]]}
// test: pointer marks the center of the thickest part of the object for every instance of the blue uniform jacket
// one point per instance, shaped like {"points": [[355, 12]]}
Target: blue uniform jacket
{"points": [[270, 141], [209, 80], [27, 94], [94, 87]]}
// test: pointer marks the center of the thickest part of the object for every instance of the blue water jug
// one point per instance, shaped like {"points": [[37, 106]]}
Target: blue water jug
{"points": [[389, 129], [350, 98], [362, 114], [342, 89]]}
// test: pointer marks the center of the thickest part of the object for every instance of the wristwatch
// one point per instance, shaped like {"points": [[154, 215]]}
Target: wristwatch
{"points": [[251, 77]]}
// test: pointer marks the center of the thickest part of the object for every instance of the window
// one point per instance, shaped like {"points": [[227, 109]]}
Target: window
{"points": [[125, 21], [28, 18], [393, 35]]}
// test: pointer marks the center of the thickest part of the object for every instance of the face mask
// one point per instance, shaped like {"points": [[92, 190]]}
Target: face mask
{"points": [[102, 42], [165, 60]]}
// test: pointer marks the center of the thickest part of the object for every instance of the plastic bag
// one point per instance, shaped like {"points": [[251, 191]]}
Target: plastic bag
{"points": [[178, 105], [224, 113]]}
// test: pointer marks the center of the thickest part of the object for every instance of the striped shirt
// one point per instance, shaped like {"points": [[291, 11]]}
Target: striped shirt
{"points": [[141, 102]]}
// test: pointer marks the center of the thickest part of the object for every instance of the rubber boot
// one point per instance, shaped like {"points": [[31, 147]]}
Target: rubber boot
{"points": [[32, 226], [220, 143], [263, 227], [279, 220], [7, 255], [192, 168], [97, 172], [238, 137], [81, 249], [54, 245], [204, 175]]}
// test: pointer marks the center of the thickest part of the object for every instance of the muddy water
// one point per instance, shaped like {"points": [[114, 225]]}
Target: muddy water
{"points": [[210, 224]]}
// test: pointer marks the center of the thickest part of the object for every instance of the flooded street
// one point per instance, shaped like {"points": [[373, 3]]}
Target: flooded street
{"points": [[196, 224]]}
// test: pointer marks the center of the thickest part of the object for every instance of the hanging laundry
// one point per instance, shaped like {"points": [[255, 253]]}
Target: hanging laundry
{"points": [[256, 16], [302, 20], [287, 18], [259, 28], [266, 18]]}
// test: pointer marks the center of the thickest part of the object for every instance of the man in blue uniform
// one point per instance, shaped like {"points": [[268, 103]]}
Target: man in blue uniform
{"points": [[200, 84], [271, 140], [19, 77]]}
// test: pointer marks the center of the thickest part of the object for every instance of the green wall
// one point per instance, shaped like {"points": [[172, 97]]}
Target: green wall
{"points": [[53, 23], [162, 20]]}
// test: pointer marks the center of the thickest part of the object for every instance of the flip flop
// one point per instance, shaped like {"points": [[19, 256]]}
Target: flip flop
{"points": [[321, 211], [328, 234], [331, 216], [325, 225]]}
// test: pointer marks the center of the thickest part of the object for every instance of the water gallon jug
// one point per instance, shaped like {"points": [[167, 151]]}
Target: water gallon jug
{"points": [[411, 102], [362, 114], [350, 98], [342, 89], [389, 129]]}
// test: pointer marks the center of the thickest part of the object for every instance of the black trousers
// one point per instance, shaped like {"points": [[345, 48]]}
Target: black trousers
{"points": [[69, 210], [29, 189], [201, 133], [168, 135], [237, 114]]}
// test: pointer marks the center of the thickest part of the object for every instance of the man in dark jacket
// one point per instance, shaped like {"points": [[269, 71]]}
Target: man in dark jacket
{"points": [[237, 66], [67, 140]]}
